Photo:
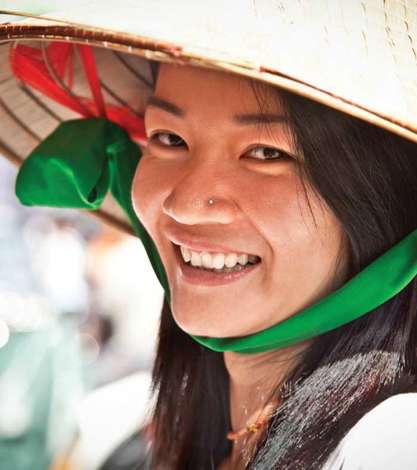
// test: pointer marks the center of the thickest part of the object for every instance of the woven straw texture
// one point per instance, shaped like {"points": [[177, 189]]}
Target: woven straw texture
{"points": [[27, 116], [356, 56]]}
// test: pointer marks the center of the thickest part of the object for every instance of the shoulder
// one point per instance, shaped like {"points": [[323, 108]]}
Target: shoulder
{"points": [[383, 439]]}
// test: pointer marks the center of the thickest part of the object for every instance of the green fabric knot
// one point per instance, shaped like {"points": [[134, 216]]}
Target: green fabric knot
{"points": [[76, 165]]}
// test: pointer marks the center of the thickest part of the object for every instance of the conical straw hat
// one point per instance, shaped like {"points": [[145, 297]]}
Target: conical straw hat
{"points": [[357, 56]]}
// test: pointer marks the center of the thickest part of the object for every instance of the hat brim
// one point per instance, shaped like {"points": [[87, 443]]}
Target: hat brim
{"points": [[296, 50]]}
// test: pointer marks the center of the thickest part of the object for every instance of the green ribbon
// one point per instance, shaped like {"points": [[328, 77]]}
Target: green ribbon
{"points": [[82, 159], [76, 165], [367, 290]]}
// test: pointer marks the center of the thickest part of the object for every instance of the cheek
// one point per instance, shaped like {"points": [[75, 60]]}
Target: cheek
{"points": [[299, 227], [303, 249], [282, 209], [148, 188]]}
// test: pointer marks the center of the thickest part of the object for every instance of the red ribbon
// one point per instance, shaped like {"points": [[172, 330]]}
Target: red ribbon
{"points": [[51, 72]]}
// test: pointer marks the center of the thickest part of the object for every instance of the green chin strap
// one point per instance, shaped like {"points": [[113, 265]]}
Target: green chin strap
{"points": [[82, 159]]}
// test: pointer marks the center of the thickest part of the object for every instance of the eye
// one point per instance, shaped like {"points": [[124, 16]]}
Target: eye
{"points": [[167, 139], [269, 153]]}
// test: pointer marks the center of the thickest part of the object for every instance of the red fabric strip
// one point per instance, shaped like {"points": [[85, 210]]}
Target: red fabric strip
{"points": [[51, 72], [29, 66], [89, 63]]}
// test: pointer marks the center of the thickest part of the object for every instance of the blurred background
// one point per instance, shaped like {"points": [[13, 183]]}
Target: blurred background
{"points": [[79, 313]]}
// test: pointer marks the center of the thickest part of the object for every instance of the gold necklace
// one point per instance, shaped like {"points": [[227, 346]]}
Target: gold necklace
{"points": [[254, 426], [285, 391]]}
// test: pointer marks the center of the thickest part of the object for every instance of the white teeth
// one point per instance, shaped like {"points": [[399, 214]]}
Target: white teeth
{"points": [[185, 253], [207, 260], [242, 259], [215, 260], [230, 260], [218, 261], [195, 259]]}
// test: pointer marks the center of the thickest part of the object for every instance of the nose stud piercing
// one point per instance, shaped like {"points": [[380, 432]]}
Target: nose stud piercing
{"points": [[211, 201]]}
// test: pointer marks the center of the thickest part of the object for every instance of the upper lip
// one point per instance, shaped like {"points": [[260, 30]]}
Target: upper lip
{"points": [[200, 244]]}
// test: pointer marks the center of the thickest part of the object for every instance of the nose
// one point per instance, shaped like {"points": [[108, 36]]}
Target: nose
{"points": [[188, 201]]}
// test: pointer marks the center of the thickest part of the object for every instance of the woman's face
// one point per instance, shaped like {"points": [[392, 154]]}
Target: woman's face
{"points": [[218, 150]]}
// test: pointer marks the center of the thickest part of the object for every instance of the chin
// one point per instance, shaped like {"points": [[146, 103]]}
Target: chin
{"points": [[213, 329], [212, 322], [197, 327]]}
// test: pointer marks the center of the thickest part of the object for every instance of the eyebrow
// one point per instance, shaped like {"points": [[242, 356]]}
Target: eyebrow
{"points": [[240, 119]]}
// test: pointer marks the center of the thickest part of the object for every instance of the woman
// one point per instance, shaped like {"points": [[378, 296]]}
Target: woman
{"points": [[310, 243], [308, 201]]}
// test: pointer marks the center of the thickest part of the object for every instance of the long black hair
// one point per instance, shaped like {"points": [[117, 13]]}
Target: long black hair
{"points": [[368, 177]]}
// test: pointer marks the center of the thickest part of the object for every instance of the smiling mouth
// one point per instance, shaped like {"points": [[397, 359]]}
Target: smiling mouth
{"points": [[254, 259], [238, 267]]}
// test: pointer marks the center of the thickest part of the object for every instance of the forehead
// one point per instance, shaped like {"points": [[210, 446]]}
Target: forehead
{"points": [[193, 87]]}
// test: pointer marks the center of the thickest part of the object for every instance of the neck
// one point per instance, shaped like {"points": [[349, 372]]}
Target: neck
{"points": [[253, 378]]}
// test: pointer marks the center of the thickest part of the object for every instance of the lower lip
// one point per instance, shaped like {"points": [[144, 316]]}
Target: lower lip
{"points": [[209, 278]]}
